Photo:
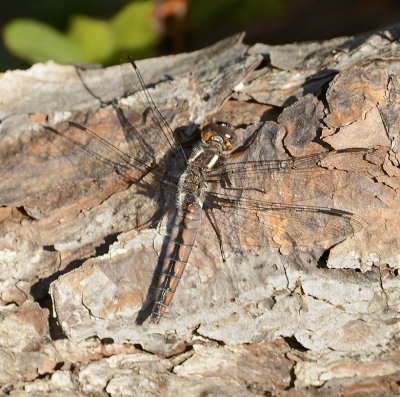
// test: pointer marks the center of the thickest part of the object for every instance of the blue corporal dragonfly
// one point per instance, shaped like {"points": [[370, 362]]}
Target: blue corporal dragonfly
{"points": [[249, 203]]}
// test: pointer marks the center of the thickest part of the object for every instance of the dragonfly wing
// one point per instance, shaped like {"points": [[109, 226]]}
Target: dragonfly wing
{"points": [[152, 118], [255, 223], [295, 180], [96, 149]]}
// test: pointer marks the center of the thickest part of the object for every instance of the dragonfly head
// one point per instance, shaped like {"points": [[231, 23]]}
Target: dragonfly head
{"points": [[221, 133]]}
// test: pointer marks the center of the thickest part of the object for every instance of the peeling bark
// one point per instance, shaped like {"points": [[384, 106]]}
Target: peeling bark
{"points": [[320, 320]]}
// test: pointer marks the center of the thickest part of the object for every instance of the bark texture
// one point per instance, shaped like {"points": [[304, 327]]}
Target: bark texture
{"points": [[79, 246]]}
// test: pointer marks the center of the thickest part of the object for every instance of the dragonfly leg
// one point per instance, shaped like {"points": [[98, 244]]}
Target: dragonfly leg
{"points": [[211, 217], [247, 145]]}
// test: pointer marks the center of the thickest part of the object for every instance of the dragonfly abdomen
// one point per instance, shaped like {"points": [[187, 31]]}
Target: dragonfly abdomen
{"points": [[183, 235]]}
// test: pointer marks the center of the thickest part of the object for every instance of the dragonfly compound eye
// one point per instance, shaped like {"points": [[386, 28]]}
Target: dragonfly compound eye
{"points": [[222, 129]]}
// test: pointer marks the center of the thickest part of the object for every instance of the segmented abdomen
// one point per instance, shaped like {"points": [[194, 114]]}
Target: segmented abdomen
{"points": [[183, 236]]}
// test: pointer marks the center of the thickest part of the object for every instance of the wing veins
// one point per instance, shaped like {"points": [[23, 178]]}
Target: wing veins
{"points": [[129, 162], [156, 114], [301, 164], [260, 205]]}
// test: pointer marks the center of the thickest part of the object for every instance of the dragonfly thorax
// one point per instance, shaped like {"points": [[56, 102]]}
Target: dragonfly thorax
{"points": [[216, 138], [192, 183]]}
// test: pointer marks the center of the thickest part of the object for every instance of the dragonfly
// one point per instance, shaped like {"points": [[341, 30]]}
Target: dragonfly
{"points": [[250, 203]]}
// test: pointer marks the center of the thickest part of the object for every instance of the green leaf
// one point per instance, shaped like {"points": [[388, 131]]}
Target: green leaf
{"points": [[133, 27], [37, 42], [93, 36]]}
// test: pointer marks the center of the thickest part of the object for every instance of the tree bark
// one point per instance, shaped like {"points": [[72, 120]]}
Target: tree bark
{"points": [[79, 245]]}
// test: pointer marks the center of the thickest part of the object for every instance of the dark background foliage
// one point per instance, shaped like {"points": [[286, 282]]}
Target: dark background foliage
{"points": [[99, 31]]}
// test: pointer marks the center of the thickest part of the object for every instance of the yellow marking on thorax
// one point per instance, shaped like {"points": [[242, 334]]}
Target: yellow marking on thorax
{"points": [[213, 161], [209, 164]]}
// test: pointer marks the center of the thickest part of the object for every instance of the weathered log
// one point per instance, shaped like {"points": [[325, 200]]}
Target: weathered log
{"points": [[284, 320]]}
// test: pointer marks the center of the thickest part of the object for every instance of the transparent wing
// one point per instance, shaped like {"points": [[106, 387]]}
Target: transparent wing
{"points": [[254, 223], [131, 152], [295, 180], [112, 156], [259, 203], [153, 119]]}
